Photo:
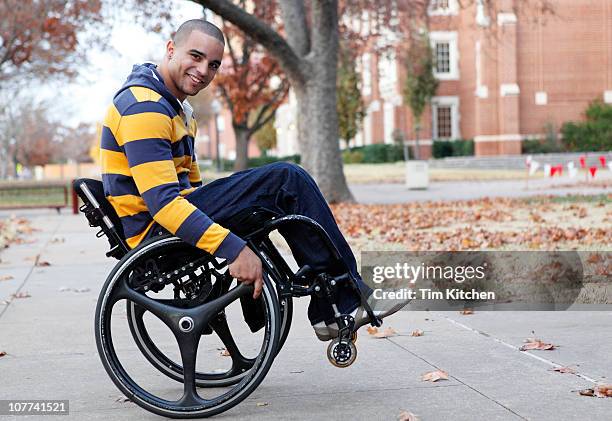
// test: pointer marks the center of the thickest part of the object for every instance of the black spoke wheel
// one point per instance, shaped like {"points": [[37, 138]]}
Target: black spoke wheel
{"points": [[131, 281]]}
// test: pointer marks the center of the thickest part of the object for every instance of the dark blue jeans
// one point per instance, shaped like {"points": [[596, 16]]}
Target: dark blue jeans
{"points": [[287, 189]]}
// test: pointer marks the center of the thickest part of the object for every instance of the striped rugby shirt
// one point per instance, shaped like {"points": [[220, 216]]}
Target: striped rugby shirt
{"points": [[149, 166]]}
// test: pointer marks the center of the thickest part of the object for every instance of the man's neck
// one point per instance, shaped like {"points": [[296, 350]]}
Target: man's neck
{"points": [[163, 70]]}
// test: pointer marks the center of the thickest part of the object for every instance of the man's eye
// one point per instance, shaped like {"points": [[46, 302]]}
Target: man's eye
{"points": [[195, 56], [214, 66]]}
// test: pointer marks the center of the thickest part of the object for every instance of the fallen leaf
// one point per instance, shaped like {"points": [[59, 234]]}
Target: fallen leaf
{"points": [[388, 332], [599, 391], [296, 371], [372, 330], [536, 344], [434, 376], [466, 311], [262, 403], [42, 263], [594, 258], [407, 416], [6, 278], [2, 354], [225, 353], [417, 332], [568, 370], [123, 399], [21, 295]]}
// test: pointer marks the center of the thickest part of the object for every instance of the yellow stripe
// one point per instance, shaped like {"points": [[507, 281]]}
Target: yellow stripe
{"points": [[114, 163], [127, 205], [179, 128], [137, 239], [143, 126], [153, 174], [174, 214], [212, 238], [185, 192], [194, 174], [144, 94], [182, 161], [112, 118]]}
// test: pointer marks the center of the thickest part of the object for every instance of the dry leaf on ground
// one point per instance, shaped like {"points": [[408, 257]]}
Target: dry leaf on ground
{"points": [[123, 399], [372, 330], [417, 332], [466, 311], [407, 416], [262, 403], [388, 332], [21, 295], [42, 263], [6, 278], [568, 370], [536, 344], [2, 353], [434, 376], [225, 353], [599, 391]]}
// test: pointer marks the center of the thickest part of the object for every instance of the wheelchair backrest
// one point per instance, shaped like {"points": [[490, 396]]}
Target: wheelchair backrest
{"points": [[100, 213]]}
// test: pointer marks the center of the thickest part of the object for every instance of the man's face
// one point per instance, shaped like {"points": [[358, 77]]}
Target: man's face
{"points": [[193, 63]]}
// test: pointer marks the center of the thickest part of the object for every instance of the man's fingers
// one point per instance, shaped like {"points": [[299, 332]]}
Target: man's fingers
{"points": [[258, 288]]}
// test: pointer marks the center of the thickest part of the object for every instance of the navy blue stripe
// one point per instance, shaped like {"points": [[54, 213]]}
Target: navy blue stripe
{"points": [[124, 100], [148, 107], [108, 141], [230, 247], [135, 224], [119, 185], [159, 196], [184, 181], [147, 150], [193, 227]]}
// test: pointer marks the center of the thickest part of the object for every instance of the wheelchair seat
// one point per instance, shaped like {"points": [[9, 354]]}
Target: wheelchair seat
{"points": [[100, 213]]}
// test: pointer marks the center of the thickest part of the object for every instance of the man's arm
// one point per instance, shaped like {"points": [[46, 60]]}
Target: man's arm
{"points": [[146, 138]]}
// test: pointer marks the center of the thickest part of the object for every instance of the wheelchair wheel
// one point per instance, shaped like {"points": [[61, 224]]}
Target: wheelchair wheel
{"points": [[172, 369], [201, 295]]}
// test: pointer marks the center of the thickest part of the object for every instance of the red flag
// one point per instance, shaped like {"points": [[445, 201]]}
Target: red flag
{"points": [[553, 170], [602, 159], [560, 170], [582, 161], [593, 170]]}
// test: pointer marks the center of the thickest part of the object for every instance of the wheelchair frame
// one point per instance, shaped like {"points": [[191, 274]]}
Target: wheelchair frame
{"points": [[341, 351]]}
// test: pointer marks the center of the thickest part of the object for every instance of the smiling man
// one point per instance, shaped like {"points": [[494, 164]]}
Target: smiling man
{"points": [[151, 176]]}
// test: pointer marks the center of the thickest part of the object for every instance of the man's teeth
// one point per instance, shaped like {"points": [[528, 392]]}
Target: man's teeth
{"points": [[195, 79]]}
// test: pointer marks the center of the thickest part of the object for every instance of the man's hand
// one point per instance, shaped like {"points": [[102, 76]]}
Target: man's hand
{"points": [[247, 268]]}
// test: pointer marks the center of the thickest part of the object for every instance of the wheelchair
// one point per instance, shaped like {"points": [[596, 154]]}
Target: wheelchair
{"points": [[190, 291]]}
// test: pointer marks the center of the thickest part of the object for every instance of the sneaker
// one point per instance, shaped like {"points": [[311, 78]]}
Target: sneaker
{"points": [[380, 308], [326, 332]]}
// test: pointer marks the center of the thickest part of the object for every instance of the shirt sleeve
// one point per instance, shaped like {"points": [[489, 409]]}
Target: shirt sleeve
{"points": [[146, 138]]}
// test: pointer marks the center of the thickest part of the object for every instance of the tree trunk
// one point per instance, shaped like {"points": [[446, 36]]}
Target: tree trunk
{"points": [[317, 113], [242, 148]]}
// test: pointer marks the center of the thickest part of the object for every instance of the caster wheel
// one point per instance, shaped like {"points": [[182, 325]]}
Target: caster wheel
{"points": [[341, 354]]}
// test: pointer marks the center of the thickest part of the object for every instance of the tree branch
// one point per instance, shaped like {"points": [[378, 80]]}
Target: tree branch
{"points": [[260, 32], [294, 17]]}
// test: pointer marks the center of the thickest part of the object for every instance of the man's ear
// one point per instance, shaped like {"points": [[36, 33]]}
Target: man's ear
{"points": [[170, 49]]}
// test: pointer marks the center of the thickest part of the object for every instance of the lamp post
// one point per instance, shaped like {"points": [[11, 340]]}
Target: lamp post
{"points": [[216, 108]]}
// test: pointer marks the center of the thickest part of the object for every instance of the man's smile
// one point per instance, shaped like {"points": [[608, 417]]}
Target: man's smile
{"points": [[195, 79]]}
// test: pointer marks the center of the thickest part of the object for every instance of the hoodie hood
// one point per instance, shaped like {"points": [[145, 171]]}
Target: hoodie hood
{"points": [[146, 75]]}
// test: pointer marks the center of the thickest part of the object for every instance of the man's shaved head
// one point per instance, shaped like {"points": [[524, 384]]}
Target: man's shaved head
{"points": [[182, 33]]}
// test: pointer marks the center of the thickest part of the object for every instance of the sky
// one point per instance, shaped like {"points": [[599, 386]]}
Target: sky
{"points": [[89, 95]]}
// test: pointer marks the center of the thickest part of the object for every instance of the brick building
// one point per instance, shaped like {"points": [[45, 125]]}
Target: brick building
{"points": [[503, 78]]}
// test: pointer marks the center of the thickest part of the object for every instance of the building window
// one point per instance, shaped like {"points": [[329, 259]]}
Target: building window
{"points": [[445, 117], [442, 53], [444, 122], [446, 55], [443, 7]]}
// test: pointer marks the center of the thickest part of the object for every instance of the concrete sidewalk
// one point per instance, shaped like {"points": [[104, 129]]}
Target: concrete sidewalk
{"points": [[381, 193], [49, 339]]}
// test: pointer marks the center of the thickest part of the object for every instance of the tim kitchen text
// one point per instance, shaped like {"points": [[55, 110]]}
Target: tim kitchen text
{"points": [[428, 294]]}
